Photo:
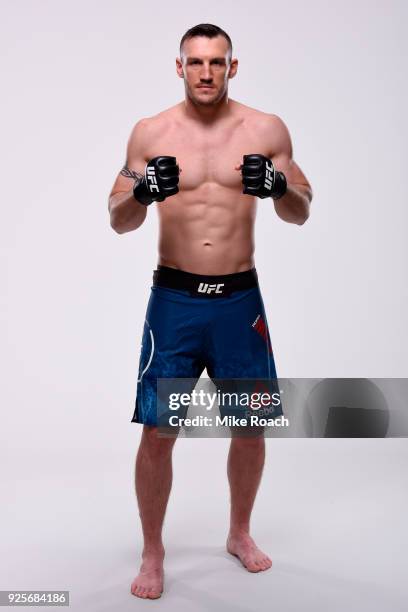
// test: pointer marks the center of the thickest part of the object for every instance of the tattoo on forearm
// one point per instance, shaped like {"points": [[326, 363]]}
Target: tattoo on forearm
{"points": [[129, 173]]}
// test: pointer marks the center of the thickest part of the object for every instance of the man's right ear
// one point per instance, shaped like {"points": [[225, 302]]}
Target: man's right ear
{"points": [[179, 68]]}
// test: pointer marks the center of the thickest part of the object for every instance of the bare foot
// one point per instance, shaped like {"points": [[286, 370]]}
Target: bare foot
{"points": [[242, 546], [149, 582]]}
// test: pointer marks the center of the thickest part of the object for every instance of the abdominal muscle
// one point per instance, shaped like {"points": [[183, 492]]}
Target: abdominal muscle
{"points": [[207, 230]]}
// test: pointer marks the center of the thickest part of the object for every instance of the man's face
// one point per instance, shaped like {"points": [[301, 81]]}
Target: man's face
{"points": [[206, 67]]}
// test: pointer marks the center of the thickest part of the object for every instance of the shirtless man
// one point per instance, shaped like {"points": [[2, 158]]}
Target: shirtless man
{"points": [[190, 160]]}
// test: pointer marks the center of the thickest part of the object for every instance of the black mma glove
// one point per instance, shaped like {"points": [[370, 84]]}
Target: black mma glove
{"points": [[260, 178], [159, 182]]}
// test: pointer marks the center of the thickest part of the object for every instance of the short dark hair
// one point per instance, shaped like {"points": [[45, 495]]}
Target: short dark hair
{"points": [[206, 29]]}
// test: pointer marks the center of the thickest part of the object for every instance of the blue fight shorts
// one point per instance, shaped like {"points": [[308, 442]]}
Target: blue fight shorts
{"points": [[194, 322]]}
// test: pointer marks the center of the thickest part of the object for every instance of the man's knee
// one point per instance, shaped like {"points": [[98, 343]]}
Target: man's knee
{"points": [[156, 444], [249, 440]]}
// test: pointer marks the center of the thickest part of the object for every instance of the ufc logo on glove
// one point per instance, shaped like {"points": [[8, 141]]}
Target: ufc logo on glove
{"points": [[151, 178], [269, 176]]}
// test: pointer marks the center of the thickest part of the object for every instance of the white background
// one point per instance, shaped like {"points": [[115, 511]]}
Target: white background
{"points": [[76, 76]]}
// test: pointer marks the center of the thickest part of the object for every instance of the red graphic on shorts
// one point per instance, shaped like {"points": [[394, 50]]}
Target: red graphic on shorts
{"points": [[260, 326]]}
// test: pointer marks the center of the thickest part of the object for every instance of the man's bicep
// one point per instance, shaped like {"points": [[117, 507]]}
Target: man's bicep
{"points": [[282, 153], [126, 177], [290, 169], [134, 165]]}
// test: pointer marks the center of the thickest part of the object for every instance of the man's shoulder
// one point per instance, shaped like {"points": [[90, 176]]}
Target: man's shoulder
{"points": [[159, 120], [258, 118], [147, 129]]}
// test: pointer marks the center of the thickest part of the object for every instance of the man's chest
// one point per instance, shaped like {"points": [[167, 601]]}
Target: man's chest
{"points": [[209, 156]]}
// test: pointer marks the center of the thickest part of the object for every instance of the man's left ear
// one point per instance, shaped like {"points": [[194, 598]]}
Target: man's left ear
{"points": [[233, 68]]}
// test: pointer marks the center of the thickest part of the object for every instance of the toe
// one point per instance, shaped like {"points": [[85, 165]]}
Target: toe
{"points": [[133, 587], [153, 593], [252, 566]]}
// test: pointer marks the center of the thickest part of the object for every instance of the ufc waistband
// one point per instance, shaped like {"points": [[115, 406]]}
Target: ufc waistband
{"points": [[201, 285]]}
